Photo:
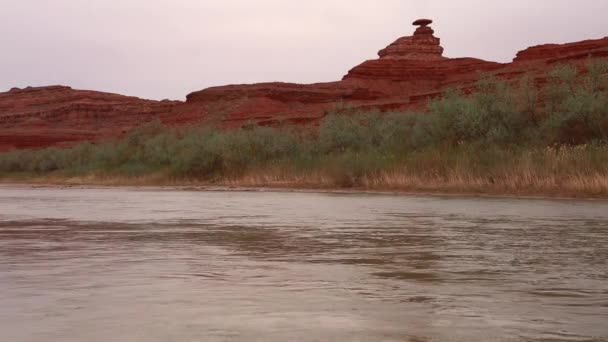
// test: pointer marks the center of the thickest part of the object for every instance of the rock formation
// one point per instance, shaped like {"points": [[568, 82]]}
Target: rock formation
{"points": [[423, 45], [57, 115], [406, 75]]}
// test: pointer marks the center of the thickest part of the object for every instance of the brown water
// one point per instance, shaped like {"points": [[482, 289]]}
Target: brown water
{"points": [[126, 265]]}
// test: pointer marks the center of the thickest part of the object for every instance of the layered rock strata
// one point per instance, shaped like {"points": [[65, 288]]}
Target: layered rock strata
{"points": [[407, 73]]}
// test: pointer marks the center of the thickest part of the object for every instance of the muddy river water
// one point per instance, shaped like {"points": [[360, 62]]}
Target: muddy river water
{"points": [[147, 265]]}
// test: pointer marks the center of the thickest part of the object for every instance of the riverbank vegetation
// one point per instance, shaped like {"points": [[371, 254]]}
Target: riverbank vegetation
{"points": [[507, 138]]}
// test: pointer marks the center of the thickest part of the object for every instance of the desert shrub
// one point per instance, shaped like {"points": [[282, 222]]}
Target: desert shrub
{"points": [[197, 155], [489, 115], [577, 106], [208, 153], [258, 145], [341, 133]]}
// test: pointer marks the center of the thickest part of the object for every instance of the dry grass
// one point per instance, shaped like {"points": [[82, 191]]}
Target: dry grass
{"points": [[595, 186], [513, 184], [565, 172]]}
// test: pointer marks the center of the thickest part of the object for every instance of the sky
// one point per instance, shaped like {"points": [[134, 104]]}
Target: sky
{"points": [[161, 49]]}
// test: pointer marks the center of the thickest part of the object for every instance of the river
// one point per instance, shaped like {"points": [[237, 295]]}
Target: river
{"points": [[149, 265]]}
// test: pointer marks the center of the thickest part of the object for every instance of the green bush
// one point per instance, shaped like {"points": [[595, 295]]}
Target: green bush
{"points": [[490, 115], [577, 106]]}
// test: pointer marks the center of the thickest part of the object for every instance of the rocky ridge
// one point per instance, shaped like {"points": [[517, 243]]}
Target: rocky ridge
{"points": [[406, 74]]}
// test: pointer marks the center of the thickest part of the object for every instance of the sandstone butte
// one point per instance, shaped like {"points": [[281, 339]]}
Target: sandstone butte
{"points": [[406, 75]]}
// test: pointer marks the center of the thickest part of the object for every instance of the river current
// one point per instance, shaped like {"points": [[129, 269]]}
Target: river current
{"points": [[147, 265]]}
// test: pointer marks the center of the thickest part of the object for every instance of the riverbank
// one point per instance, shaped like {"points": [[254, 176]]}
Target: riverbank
{"points": [[496, 141], [596, 188], [565, 172]]}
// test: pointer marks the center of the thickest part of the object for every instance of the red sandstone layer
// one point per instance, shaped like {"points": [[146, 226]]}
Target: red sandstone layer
{"points": [[406, 75]]}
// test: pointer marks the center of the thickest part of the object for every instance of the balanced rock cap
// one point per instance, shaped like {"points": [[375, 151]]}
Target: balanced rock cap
{"points": [[422, 22], [421, 46]]}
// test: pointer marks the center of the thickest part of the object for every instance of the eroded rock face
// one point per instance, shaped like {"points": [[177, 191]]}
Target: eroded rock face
{"points": [[57, 115], [423, 45], [406, 75], [552, 53]]}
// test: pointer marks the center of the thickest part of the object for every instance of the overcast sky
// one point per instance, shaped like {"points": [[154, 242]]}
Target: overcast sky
{"points": [[167, 48]]}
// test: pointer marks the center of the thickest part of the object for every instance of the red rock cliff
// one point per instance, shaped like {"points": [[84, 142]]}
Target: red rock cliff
{"points": [[57, 115], [406, 75]]}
